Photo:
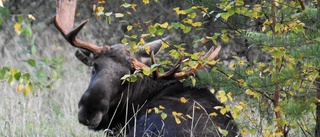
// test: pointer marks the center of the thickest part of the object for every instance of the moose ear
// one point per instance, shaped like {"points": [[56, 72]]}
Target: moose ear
{"points": [[155, 46], [84, 56]]}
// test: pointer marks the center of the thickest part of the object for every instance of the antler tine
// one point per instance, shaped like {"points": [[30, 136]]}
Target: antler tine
{"points": [[64, 23], [208, 56], [171, 73], [208, 53]]}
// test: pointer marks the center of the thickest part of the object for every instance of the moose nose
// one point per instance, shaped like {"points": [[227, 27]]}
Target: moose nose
{"points": [[83, 121]]}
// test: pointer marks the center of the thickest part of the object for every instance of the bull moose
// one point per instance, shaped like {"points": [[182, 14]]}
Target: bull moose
{"points": [[155, 105]]}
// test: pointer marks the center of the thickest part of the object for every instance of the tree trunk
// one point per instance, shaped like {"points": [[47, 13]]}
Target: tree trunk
{"points": [[317, 129]]}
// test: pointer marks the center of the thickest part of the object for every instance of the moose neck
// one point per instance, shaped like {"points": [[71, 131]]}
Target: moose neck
{"points": [[135, 95]]}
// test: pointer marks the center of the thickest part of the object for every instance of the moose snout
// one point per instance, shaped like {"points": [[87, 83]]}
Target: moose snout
{"points": [[89, 118], [83, 121]]}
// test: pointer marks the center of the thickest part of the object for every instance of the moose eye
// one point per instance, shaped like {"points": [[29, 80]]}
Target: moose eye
{"points": [[94, 67], [93, 70]]}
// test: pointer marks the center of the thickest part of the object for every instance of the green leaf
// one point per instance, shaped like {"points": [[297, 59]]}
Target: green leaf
{"points": [[2, 73], [160, 32], [146, 71], [152, 30], [17, 76], [133, 78], [27, 31], [186, 29], [225, 38], [32, 49], [174, 53], [163, 116], [175, 25], [278, 27], [0, 20], [10, 79], [193, 81], [223, 132], [32, 62], [277, 53], [157, 110], [225, 15]]}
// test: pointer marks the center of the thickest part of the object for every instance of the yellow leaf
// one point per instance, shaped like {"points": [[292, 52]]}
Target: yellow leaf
{"points": [[277, 109], [183, 100], [241, 81], [249, 92], [161, 107], [188, 116], [249, 71], [20, 87], [229, 95], [310, 77], [174, 113], [177, 120], [241, 62], [129, 27], [247, 115], [145, 1], [196, 24], [189, 21], [133, 6], [119, 15], [17, 28], [164, 45], [291, 93], [164, 25], [213, 114], [178, 11], [236, 114], [232, 65], [147, 49], [229, 76], [196, 107], [243, 104], [101, 1], [279, 134], [239, 107], [28, 88], [263, 28], [223, 99], [225, 110], [142, 42], [99, 9]]}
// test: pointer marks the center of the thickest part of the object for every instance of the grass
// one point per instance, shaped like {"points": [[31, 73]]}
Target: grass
{"points": [[45, 112]]}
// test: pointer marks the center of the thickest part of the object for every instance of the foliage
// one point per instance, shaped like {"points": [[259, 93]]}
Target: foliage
{"points": [[276, 90], [46, 72]]}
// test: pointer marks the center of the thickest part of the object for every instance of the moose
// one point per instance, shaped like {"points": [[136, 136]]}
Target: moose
{"points": [[155, 105]]}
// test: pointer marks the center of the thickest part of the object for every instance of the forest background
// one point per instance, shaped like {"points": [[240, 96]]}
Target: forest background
{"points": [[267, 73]]}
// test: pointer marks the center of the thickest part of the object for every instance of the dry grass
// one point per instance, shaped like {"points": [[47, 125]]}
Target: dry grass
{"points": [[45, 112]]}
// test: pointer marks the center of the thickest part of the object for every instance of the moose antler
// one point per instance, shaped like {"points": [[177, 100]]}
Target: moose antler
{"points": [[209, 56], [64, 21]]}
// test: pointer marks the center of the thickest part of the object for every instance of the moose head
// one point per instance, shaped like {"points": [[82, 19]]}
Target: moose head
{"points": [[109, 64]]}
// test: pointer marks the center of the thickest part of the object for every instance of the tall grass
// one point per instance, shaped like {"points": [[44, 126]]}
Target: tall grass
{"points": [[44, 112]]}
